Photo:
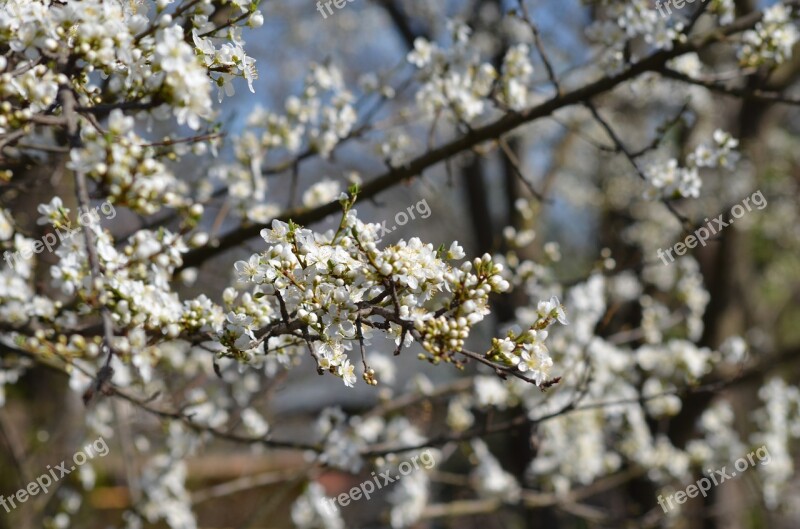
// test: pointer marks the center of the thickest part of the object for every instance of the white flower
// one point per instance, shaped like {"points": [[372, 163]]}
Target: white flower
{"points": [[119, 124], [254, 422], [490, 480], [256, 19], [278, 232], [348, 373], [516, 72], [312, 510], [553, 309], [455, 252], [459, 418], [247, 271], [490, 391], [734, 349], [322, 192], [52, 213], [6, 228], [331, 355], [771, 40], [536, 361], [422, 54], [409, 499]]}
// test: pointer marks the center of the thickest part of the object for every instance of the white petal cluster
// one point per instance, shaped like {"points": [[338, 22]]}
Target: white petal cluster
{"points": [[668, 180], [8, 376], [32, 91], [53, 213], [579, 447], [181, 80], [459, 417], [779, 429], [721, 442], [516, 74], [573, 450], [229, 56], [138, 294], [725, 10], [129, 170], [321, 116], [491, 481], [311, 510], [322, 192], [722, 153], [672, 181], [623, 22], [409, 498], [490, 391], [164, 484], [330, 288], [341, 443], [772, 39], [680, 361], [527, 350], [315, 121], [456, 82], [137, 60]]}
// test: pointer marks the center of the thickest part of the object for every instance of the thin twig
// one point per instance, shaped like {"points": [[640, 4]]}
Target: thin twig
{"points": [[82, 191]]}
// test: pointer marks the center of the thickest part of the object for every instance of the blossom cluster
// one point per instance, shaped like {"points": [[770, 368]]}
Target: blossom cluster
{"points": [[669, 180], [527, 350], [324, 114], [147, 63], [129, 170], [334, 289], [771, 41], [458, 83], [623, 22], [318, 120]]}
